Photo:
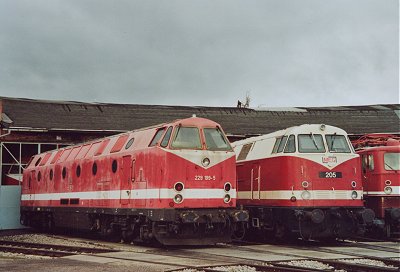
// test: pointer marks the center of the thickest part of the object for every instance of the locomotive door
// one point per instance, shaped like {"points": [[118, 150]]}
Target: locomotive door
{"points": [[125, 183], [32, 186], [255, 181], [139, 193]]}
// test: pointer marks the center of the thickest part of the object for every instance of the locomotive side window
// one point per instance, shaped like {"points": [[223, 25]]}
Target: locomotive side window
{"points": [[39, 176], [291, 145], [167, 136], [215, 140], [129, 143], [364, 163], [367, 162], [276, 145], [51, 174], [392, 161], [244, 151], [157, 137], [370, 162], [119, 144], [38, 161], [282, 144], [337, 143], [311, 143], [187, 138], [102, 146]]}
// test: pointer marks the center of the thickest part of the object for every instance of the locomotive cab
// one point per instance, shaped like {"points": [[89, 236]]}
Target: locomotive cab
{"points": [[380, 174]]}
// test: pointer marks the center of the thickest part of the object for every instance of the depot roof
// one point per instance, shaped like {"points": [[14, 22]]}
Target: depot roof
{"points": [[29, 114]]}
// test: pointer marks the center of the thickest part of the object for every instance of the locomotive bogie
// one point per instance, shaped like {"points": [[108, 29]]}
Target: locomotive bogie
{"points": [[308, 222]]}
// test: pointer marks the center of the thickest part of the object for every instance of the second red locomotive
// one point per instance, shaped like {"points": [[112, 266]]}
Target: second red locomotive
{"points": [[174, 183], [303, 181], [380, 157]]}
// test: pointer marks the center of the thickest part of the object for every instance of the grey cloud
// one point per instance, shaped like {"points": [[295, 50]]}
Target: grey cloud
{"points": [[286, 53]]}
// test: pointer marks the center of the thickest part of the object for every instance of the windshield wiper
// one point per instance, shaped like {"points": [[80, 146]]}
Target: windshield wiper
{"points": [[332, 141], [313, 139], [391, 168]]}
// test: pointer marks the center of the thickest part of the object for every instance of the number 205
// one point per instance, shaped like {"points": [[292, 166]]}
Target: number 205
{"points": [[330, 174]]}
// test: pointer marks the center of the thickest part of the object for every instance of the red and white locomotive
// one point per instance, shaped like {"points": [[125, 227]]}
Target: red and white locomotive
{"points": [[174, 183], [304, 181], [380, 157]]}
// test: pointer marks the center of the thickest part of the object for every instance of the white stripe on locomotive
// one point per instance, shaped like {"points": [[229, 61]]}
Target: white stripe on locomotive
{"points": [[134, 194], [287, 194]]}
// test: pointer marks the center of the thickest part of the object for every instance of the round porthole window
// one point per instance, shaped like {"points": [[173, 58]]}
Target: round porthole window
{"points": [[78, 171], [94, 169], [64, 172], [114, 166]]}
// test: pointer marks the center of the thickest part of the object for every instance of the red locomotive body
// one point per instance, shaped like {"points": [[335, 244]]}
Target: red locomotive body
{"points": [[174, 183], [380, 157], [303, 181]]}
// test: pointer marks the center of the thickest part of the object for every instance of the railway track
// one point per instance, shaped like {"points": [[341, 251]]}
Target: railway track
{"points": [[215, 261], [371, 246], [278, 267], [371, 239], [48, 249], [337, 264]]}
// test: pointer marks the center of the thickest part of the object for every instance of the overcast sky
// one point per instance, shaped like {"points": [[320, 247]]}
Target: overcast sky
{"points": [[284, 53]]}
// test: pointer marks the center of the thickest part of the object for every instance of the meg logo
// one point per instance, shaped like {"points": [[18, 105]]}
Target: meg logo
{"points": [[329, 159]]}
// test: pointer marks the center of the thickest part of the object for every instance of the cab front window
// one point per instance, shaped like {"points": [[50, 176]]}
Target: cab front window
{"points": [[215, 140], [337, 144], [311, 143], [186, 138], [392, 161]]}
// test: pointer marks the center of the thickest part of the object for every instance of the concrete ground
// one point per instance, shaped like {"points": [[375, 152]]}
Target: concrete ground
{"points": [[69, 265]]}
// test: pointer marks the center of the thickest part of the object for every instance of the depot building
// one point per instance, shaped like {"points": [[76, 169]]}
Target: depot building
{"points": [[29, 127]]}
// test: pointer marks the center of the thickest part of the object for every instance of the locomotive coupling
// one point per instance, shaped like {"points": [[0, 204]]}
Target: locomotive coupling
{"points": [[367, 216]]}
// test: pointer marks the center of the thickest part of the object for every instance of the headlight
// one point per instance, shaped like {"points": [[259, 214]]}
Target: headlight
{"points": [[227, 198], [227, 187], [353, 184], [293, 199], [178, 186], [388, 190], [178, 198], [305, 195], [305, 184], [205, 162], [354, 195]]}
